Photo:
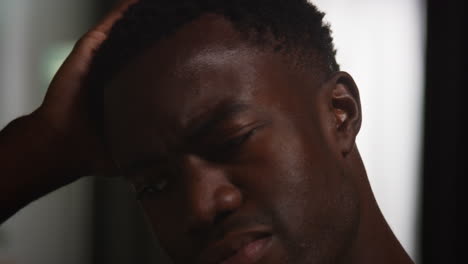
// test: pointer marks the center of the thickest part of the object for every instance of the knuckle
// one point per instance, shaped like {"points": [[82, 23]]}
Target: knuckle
{"points": [[90, 40]]}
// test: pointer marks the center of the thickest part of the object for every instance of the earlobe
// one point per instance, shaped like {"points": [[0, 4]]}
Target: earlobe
{"points": [[346, 109]]}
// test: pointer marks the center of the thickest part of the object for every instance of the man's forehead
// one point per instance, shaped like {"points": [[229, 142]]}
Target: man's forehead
{"points": [[175, 80], [189, 65], [214, 76], [196, 85], [219, 55]]}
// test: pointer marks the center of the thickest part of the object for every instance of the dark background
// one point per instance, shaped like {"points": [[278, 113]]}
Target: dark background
{"points": [[445, 115]]}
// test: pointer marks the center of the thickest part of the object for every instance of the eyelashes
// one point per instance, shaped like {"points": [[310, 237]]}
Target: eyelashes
{"points": [[235, 142], [148, 189], [151, 189]]}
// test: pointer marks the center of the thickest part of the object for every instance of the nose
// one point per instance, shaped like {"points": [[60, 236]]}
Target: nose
{"points": [[211, 196]]}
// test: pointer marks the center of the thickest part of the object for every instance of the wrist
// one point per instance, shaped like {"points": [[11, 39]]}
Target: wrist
{"points": [[59, 146], [34, 162]]}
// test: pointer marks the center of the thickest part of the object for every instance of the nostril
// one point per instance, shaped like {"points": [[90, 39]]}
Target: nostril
{"points": [[228, 199], [221, 216], [213, 208]]}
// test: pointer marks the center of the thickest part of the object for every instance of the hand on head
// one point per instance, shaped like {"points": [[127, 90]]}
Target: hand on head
{"points": [[64, 109]]}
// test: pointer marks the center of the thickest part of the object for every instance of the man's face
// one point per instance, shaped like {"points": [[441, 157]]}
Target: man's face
{"points": [[231, 150]]}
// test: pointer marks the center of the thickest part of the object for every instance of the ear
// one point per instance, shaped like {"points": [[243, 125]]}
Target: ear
{"points": [[345, 110]]}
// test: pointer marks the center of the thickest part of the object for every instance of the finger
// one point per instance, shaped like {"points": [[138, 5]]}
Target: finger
{"points": [[74, 69], [76, 65], [106, 23], [90, 42], [83, 51]]}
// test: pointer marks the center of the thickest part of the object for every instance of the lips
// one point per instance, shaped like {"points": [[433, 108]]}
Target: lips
{"points": [[244, 247]]}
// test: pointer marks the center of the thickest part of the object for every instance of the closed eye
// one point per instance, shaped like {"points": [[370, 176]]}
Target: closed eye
{"points": [[151, 188], [237, 141], [228, 149]]}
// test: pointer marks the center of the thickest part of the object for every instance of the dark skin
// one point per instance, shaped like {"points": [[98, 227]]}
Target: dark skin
{"points": [[282, 165]]}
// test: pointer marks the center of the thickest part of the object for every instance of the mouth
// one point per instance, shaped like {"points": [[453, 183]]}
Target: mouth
{"points": [[249, 253], [239, 248]]}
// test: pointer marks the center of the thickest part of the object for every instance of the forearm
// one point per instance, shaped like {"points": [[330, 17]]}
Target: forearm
{"points": [[34, 161]]}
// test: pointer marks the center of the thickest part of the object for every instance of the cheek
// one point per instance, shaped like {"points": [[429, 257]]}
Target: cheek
{"points": [[289, 176], [300, 184], [160, 223], [166, 224], [312, 201]]}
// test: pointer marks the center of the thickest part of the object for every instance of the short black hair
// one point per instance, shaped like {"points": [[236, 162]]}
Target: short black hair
{"points": [[288, 26]]}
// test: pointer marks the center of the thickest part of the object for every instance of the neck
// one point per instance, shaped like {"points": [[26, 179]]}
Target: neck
{"points": [[374, 241]]}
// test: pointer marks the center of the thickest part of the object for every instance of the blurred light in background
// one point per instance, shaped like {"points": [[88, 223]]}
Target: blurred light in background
{"points": [[381, 44], [35, 37], [13, 52]]}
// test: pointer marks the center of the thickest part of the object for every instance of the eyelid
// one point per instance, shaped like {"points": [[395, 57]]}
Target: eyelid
{"points": [[238, 131], [143, 192], [227, 147], [157, 187], [242, 137], [148, 179]]}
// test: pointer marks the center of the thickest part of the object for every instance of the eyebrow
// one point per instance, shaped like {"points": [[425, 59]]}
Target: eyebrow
{"points": [[203, 124], [197, 128]]}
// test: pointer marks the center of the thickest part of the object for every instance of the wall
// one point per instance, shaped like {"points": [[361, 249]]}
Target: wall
{"points": [[34, 38], [381, 44]]}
